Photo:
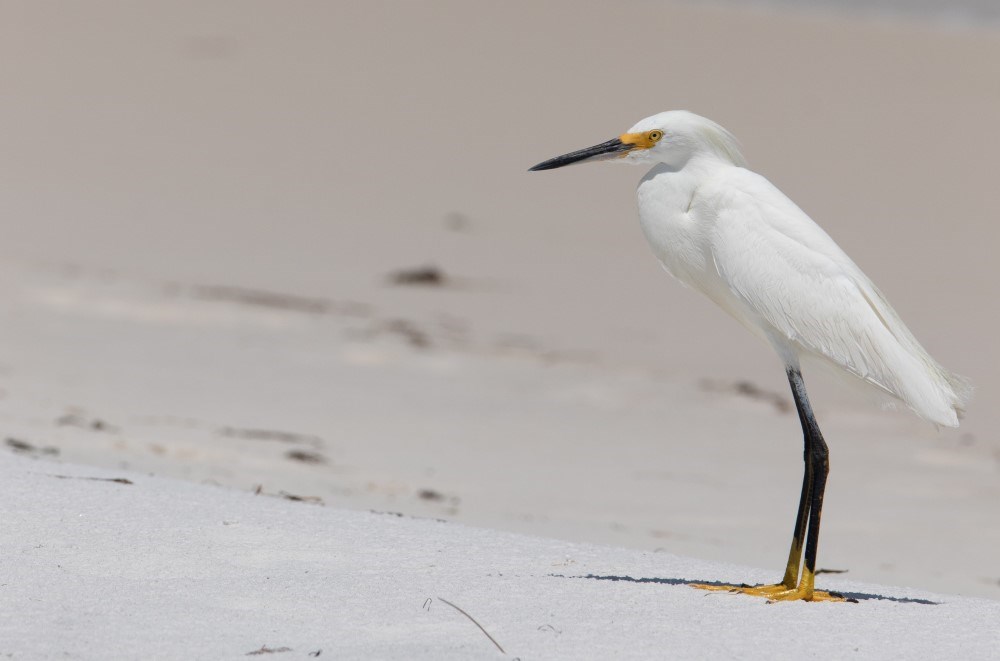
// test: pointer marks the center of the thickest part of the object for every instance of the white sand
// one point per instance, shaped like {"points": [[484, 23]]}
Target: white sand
{"points": [[559, 384], [169, 570]]}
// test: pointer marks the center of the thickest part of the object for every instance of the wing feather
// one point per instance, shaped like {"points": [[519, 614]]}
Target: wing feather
{"points": [[786, 270]]}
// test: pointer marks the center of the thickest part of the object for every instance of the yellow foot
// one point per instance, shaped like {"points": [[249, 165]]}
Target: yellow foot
{"points": [[779, 592]]}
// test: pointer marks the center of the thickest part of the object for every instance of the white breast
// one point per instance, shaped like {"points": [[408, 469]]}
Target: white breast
{"points": [[681, 231]]}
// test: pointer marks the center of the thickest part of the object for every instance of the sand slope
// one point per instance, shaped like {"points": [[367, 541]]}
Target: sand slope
{"points": [[154, 568]]}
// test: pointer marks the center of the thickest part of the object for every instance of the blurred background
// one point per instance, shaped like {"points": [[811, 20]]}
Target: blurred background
{"points": [[293, 247]]}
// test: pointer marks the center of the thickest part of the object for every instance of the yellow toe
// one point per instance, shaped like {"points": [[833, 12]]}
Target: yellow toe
{"points": [[804, 591]]}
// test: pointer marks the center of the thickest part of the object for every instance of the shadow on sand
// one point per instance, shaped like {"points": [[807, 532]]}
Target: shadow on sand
{"points": [[850, 596]]}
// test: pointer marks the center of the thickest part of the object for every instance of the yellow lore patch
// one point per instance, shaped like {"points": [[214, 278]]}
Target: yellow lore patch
{"points": [[641, 140]]}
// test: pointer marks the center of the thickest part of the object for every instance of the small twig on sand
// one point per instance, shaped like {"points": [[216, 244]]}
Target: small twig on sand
{"points": [[300, 499], [264, 649], [270, 435], [117, 480], [473, 620]]}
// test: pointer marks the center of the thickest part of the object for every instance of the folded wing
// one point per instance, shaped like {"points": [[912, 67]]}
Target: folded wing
{"points": [[791, 274]]}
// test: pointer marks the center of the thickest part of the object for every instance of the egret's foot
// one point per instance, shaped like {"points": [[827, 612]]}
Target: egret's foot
{"points": [[777, 592], [768, 591], [800, 594], [712, 587], [755, 590]]}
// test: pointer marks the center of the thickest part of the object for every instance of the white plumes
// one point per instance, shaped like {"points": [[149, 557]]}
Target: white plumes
{"points": [[722, 142], [729, 233], [688, 131]]}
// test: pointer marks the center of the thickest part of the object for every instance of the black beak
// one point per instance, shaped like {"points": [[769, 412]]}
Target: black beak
{"points": [[600, 152]]}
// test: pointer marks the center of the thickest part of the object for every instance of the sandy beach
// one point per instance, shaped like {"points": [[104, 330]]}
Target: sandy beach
{"points": [[294, 250], [118, 565]]}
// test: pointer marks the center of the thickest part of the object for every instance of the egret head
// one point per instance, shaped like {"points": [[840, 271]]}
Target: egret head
{"points": [[673, 137]]}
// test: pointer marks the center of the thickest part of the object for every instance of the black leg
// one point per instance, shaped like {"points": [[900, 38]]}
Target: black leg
{"points": [[817, 468], [791, 578]]}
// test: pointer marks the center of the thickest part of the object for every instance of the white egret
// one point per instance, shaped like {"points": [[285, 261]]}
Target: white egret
{"points": [[732, 235]]}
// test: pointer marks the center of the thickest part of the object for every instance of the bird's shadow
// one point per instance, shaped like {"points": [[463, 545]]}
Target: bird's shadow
{"points": [[850, 596]]}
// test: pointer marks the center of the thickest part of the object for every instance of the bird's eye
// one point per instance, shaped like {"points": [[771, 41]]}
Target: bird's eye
{"points": [[655, 136]]}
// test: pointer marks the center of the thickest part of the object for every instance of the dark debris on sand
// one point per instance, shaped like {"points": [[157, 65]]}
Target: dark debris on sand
{"points": [[427, 276], [23, 447]]}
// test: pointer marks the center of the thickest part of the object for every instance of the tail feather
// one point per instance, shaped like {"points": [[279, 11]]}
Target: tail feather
{"points": [[961, 391], [911, 374]]}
